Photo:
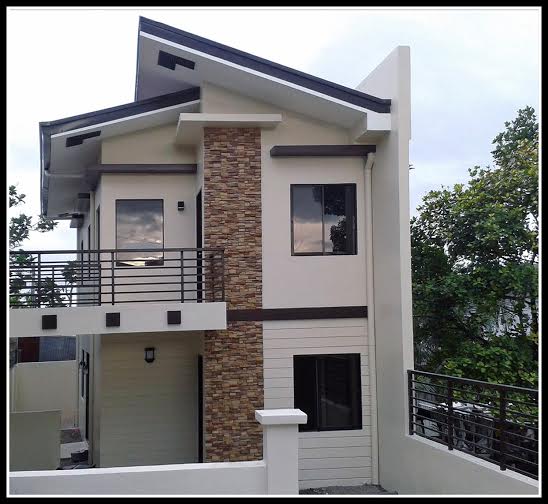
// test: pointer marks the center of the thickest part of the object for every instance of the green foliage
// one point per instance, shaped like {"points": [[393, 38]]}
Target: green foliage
{"points": [[47, 293], [475, 267], [21, 225]]}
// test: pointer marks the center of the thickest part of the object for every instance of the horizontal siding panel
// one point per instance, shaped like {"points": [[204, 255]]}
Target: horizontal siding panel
{"points": [[335, 442], [335, 463], [347, 451], [278, 393], [334, 332], [279, 373], [331, 434], [278, 382], [273, 325], [288, 353], [347, 472], [320, 342], [278, 403], [333, 482]]}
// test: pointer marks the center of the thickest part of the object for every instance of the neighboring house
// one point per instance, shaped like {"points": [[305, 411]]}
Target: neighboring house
{"points": [[242, 242]]}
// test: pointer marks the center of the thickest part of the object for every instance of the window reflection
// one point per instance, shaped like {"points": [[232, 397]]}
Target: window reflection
{"points": [[140, 225], [307, 219], [324, 219]]}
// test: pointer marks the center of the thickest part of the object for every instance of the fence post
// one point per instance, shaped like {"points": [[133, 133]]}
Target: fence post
{"points": [[410, 400], [281, 449], [182, 276], [450, 414], [112, 275], [38, 291], [502, 440]]}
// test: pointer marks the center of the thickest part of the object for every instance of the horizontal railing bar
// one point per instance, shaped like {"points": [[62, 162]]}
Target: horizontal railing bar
{"points": [[474, 382], [109, 251], [471, 392]]}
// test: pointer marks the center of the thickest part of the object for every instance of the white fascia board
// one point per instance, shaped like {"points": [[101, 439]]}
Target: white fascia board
{"points": [[190, 126], [371, 127], [125, 119], [253, 72]]}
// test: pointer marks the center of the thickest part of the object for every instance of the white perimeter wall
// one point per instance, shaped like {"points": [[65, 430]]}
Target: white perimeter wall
{"points": [[330, 457], [44, 386], [34, 442]]}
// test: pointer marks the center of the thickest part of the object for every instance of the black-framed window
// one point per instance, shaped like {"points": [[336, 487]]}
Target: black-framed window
{"points": [[328, 389], [323, 219], [140, 225]]}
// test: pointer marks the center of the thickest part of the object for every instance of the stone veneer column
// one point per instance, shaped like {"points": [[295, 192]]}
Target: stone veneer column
{"points": [[233, 359]]}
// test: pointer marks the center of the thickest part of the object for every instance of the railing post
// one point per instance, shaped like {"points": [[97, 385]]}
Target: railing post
{"points": [[38, 291], [502, 436], [450, 414], [112, 275], [183, 276], [410, 398], [52, 293], [99, 277]]}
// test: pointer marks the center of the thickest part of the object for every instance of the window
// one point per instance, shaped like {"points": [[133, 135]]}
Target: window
{"points": [[140, 225], [323, 219], [328, 390]]}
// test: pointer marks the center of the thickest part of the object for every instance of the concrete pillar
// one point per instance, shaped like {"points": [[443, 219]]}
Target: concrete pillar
{"points": [[281, 449]]}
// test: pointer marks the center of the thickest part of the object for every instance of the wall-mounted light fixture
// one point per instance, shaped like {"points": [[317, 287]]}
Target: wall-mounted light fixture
{"points": [[180, 205], [149, 354]]}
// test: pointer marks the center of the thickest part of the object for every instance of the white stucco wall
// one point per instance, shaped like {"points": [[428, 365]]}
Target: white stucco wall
{"points": [[44, 386], [149, 412], [148, 146], [293, 281]]}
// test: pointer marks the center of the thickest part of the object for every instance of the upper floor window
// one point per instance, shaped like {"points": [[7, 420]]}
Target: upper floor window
{"points": [[140, 225], [323, 219]]}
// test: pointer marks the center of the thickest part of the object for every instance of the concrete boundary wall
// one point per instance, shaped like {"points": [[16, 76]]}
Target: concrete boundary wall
{"points": [[427, 467], [44, 386], [276, 474]]}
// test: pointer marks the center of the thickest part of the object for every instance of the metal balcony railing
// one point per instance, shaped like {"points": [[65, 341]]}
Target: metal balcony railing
{"points": [[113, 276], [497, 423]]}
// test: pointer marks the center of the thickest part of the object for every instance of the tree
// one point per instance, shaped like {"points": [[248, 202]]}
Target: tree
{"points": [[22, 263], [475, 266]]}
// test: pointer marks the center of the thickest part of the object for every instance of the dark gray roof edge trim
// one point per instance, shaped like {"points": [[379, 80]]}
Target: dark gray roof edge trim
{"points": [[262, 65], [47, 129]]}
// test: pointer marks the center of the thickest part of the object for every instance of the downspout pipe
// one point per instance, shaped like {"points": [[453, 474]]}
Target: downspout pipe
{"points": [[369, 162]]}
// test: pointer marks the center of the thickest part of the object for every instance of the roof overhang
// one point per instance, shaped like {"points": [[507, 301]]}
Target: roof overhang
{"points": [[69, 146], [169, 59]]}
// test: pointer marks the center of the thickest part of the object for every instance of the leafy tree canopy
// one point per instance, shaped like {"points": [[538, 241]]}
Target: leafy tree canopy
{"points": [[475, 266]]}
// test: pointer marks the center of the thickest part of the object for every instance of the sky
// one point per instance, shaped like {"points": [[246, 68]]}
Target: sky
{"points": [[471, 70]]}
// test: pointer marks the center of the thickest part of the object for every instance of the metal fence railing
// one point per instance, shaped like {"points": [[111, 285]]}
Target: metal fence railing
{"points": [[497, 423], [95, 277]]}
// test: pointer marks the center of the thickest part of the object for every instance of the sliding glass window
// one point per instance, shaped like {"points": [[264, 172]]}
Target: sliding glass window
{"points": [[140, 227], [323, 219]]}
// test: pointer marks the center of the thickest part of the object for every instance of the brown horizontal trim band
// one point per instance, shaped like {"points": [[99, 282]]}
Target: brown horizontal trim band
{"points": [[328, 312], [143, 168], [321, 150]]}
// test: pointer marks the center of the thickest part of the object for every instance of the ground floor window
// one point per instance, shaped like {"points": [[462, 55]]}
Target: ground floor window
{"points": [[328, 390]]}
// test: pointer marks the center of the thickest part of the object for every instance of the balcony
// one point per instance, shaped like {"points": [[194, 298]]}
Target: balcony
{"points": [[59, 282], [82, 278]]}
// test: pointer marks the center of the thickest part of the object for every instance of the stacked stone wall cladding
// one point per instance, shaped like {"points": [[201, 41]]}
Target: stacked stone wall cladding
{"points": [[233, 359]]}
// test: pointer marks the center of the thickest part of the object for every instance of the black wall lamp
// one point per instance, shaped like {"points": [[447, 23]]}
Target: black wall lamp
{"points": [[149, 354]]}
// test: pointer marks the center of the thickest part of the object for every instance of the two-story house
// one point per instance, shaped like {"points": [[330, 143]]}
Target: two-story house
{"points": [[241, 243]]}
